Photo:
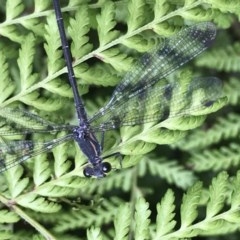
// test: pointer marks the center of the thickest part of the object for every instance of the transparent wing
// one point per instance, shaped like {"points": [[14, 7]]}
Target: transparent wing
{"points": [[16, 121], [15, 152], [136, 88], [161, 102]]}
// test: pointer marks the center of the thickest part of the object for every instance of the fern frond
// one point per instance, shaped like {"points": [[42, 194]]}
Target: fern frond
{"points": [[170, 170], [25, 62], [161, 8], [196, 14], [6, 86], [13, 9], [59, 87], [214, 218], [165, 222], [141, 43], [35, 25], [78, 31], [231, 90], [94, 234], [136, 18], [189, 206], [62, 164], [5, 235], [99, 75], [52, 46], [41, 5], [216, 159], [191, 226], [235, 193], [226, 6], [47, 104], [120, 61], [87, 217], [12, 33], [8, 217], [38, 204], [222, 59], [52, 183], [142, 221], [122, 222], [41, 169], [16, 185], [106, 23], [225, 128], [217, 195]]}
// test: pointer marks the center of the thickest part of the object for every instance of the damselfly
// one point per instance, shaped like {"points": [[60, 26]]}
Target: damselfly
{"points": [[142, 96]]}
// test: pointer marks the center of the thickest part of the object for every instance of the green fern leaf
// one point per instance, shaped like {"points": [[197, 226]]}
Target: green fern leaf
{"points": [[172, 171], [142, 219], [25, 62], [35, 25], [216, 159], [8, 217], [65, 185], [136, 15], [231, 90], [226, 6], [223, 59], [141, 43], [165, 222], [166, 29], [189, 206], [120, 61], [52, 189], [38, 237], [78, 30], [163, 135], [106, 24], [217, 194], [52, 45], [13, 9], [12, 33], [197, 14], [88, 216], [160, 9], [225, 128], [41, 5], [46, 104], [235, 196], [41, 169], [62, 165], [94, 234], [59, 87], [214, 222], [122, 222], [16, 185], [6, 87], [136, 148], [99, 74], [39, 204], [6, 235]]}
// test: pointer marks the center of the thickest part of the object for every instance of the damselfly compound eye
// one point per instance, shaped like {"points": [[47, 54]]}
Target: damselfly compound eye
{"points": [[106, 167]]}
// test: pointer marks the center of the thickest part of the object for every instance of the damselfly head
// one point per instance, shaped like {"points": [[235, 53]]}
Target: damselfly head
{"points": [[98, 170]]}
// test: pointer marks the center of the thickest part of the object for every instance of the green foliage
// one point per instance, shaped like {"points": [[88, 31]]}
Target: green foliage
{"points": [[162, 195], [224, 58], [106, 23], [218, 213]]}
